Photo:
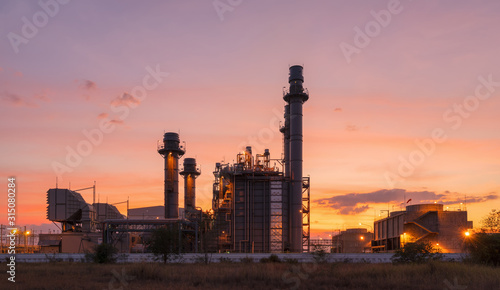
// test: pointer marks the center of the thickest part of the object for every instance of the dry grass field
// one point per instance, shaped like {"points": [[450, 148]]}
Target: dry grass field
{"points": [[253, 276]]}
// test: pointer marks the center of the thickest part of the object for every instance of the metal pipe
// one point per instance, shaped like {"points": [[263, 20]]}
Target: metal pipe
{"points": [[295, 97], [286, 145]]}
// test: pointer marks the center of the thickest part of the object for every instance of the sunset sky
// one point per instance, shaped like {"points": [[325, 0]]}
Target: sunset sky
{"points": [[384, 77]]}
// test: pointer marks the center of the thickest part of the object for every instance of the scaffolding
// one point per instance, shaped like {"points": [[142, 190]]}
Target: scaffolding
{"points": [[306, 217]]}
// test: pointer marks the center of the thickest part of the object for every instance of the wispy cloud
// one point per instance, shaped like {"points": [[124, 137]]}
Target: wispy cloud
{"points": [[351, 128], [127, 100], [118, 122], [337, 110], [16, 100], [102, 116], [43, 98], [88, 85], [355, 203]]}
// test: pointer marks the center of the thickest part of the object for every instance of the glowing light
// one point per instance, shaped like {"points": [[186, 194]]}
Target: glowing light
{"points": [[362, 238], [467, 233], [28, 232]]}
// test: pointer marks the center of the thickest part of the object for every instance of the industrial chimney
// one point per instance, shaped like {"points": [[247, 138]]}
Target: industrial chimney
{"points": [[190, 173], [295, 97], [171, 152]]}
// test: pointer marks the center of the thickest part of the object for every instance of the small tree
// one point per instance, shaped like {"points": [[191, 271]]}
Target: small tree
{"points": [[419, 252], [103, 254], [164, 243], [491, 222], [484, 248]]}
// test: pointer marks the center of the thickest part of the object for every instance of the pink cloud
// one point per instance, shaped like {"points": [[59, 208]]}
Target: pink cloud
{"points": [[17, 101], [88, 85], [126, 99]]}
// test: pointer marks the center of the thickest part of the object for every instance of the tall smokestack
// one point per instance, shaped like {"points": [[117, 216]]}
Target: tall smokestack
{"points": [[189, 173], [171, 152], [295, 97]]}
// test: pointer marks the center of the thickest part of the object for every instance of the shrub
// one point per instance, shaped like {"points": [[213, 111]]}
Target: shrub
{"points": [[103, 253], [484, 248], [319, 255], [272, 259], [420, 252]]}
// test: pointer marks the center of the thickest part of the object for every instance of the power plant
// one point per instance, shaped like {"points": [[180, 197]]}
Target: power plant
{"points": [[259, 204]]}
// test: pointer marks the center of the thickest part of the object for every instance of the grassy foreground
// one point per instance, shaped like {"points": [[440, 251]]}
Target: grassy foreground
{"points": [[253, 276]]}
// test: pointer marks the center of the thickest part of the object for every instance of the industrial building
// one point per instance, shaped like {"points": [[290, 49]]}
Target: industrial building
{"points": [[84, 225], [352, 241], [422, 222], [80, 222], [262, 204], [259, 204]]}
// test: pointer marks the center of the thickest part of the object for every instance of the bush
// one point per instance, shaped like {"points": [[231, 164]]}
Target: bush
{"points": [[103, 254], [319, 255], [272, 259], [420, 252], [484, 248]]}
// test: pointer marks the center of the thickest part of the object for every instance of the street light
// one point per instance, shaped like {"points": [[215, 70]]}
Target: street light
{"points": [[467, 233]]}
